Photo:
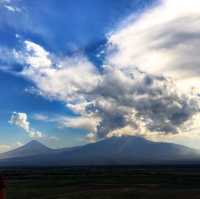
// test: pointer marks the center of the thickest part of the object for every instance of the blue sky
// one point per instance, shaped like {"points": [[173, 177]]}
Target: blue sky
{"points": [[61, 63]]}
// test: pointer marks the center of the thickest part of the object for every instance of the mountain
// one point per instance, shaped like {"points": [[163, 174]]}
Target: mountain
{"points": [[127, 150], [32, 148]]}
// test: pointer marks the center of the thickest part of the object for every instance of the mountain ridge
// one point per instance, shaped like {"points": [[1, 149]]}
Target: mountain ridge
{"points": [[125, 150]]}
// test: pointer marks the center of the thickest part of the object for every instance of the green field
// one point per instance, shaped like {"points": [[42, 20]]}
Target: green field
{"points": [[103, 183]]}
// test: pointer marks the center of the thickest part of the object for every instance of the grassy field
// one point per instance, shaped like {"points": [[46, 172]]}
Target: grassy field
{"points": [[103, 183]]}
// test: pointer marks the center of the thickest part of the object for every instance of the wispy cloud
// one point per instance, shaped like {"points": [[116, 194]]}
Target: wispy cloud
{"points": [[163, 40], [40, 117], [21, 120], [10, 6]]}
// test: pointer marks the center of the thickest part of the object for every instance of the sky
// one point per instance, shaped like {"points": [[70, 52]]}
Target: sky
{"points": [[74, 72]]}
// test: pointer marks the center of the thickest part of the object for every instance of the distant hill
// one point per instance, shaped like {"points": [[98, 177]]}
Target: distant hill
{"points": [[127, 150]]}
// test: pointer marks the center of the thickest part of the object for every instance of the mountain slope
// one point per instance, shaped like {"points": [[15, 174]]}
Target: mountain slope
{"points": [[113, 151], [129, 150]]}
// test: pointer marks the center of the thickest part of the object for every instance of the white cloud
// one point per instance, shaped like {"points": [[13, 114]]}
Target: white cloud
{"points": [[21, 120], [36, 56], [10, 6], [59, 78], [164, 40]]}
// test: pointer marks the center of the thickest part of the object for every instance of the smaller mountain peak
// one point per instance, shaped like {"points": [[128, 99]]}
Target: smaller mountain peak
{"points": [[35, 144], [33, 147]]}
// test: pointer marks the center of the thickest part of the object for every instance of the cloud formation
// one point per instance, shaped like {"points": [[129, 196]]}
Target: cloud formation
{"points": [[141, 88], [116, 101], [163, 40], [132, 102], [21, 120]]}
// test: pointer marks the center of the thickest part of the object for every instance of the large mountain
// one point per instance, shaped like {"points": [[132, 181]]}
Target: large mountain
{"points": [[113, 151]]}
